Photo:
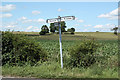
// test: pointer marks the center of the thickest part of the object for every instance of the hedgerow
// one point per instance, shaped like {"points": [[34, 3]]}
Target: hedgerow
{"points": [[18, 49]]}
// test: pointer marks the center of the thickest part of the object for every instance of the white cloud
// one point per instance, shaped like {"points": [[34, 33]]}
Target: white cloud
{"points": [[111, 15], [7, 15], [26, 20], [59, 10], [106, 27], [9, 25], [76, 18], [85, 30], [22, 18], [87, 25], [7, 8], [30, 27], [76, 25], [41, 21], [80, 21], [35, 12], [36, 29], [98, 26]]}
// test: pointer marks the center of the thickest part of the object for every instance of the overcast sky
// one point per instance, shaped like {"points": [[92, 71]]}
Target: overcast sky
{"points": [[30, 16]]}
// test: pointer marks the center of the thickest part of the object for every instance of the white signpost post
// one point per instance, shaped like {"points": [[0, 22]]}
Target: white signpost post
{"points": [[56, 22]]}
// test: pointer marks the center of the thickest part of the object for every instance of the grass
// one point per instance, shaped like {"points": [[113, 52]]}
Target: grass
{"points": [[53, 70], [105, 67], [77, 36]]}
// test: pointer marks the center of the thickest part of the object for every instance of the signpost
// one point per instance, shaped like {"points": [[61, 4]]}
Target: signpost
{"points": [[56, 22]]}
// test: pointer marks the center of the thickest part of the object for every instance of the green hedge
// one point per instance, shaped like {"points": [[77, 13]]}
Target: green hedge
{"points": [[18, 49], [83, 54]]}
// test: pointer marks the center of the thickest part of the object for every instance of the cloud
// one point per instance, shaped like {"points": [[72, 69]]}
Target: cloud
{"points": [[7, 15], [35, 12], [85, 30], [76, 18], [22, 18], [111, 15], [87, 25], [7, 8], [25, 20], [80, 21], [36, 29], [41, 21], [107, 27], [59, 10], [98, 26], [30, 27], [9, 25]]}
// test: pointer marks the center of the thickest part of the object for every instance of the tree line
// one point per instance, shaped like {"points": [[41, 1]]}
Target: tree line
{"points": [[54, 28]]}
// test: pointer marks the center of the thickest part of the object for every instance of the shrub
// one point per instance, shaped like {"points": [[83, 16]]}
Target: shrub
{"points": [[42, 33], [82, 55], [18, 50]]}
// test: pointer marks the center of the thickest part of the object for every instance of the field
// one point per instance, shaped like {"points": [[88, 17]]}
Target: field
{"points": [[106, 67]]}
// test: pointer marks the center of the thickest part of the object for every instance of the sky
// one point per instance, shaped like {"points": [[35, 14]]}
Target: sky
{"points": [[30, 16]]}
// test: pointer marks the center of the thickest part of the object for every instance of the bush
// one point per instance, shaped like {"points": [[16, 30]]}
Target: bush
{"points": [[42, 33], [18, 50], [82, 55], [72, 32]]}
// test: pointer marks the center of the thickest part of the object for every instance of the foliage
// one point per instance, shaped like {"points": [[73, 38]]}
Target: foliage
{"points": [[68, 30], [18, 49], [42, 33], [56, 28], [44, 30], [72, 30], [52, 27], [115, 29], [83, 54], [106, 65]]}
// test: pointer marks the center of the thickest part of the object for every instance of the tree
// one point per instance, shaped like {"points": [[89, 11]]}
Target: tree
{"points": [[44, 30], [72, 30], [63, 26], [52, 27], [68, 30], [115, 29]]}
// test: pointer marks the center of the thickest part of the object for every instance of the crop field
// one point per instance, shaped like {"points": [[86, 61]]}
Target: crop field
{"points": [[106, 65]]}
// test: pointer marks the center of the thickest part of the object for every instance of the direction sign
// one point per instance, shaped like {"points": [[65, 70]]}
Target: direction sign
{"points": [[67, 18], [61, 19], [52, 20], [57, 23]]}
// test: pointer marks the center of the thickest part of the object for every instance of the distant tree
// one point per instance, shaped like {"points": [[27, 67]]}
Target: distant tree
{"points": [[63, 26], [44, 30], [42, 33], [72, 30], [68, 30], [97, 31], [52, 27], [115, 29]]}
